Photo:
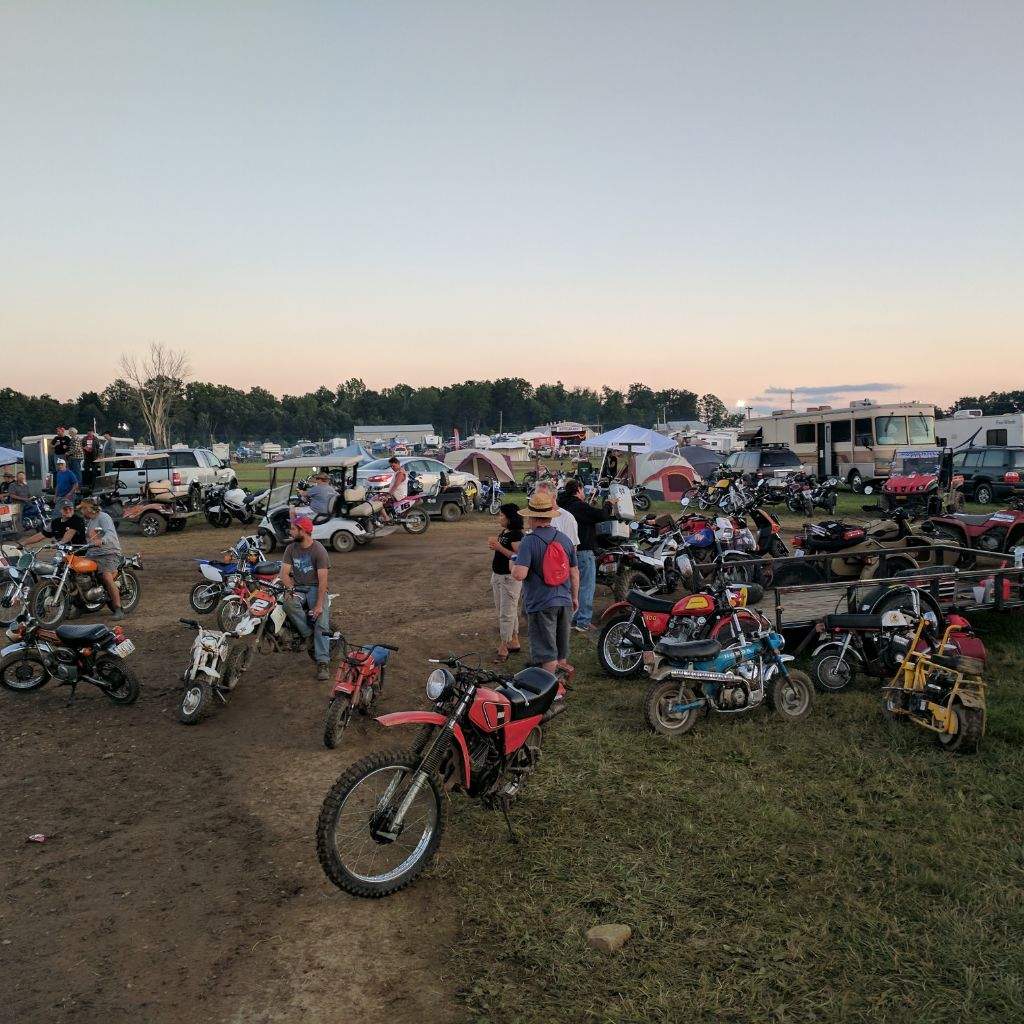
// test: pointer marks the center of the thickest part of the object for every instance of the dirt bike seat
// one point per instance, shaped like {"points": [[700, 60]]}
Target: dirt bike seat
{"points": [[688, 650], [530, 692], [266, 568], [852, 621], [81, 635], [644, 603]]}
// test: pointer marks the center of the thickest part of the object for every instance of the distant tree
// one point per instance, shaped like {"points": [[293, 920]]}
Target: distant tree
{"points": [[157, 382], [711, 410]]}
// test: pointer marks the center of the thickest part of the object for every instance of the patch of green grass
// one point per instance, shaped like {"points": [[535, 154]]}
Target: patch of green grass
{"points": [[840, 869]]}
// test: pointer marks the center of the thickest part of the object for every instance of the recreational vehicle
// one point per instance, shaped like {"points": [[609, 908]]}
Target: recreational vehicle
{"points": [[968, 428], [37, 454], [856, 444]]}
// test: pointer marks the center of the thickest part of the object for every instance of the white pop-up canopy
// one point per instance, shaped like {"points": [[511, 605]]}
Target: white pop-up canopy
{"points": [[630, 438]]}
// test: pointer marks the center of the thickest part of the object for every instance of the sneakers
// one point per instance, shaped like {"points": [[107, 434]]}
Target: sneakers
{"points": [[323, 671], [585, 630]]}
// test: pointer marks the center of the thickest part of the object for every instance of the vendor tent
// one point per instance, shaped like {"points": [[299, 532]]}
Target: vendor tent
{"points": [[704, 460], [484, 464], [667, 476], [629, 438], [9, 456], [513, 451], [354, 449]]}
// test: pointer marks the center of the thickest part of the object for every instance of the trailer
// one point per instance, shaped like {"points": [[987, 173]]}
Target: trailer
{"points": [[968, 428]]}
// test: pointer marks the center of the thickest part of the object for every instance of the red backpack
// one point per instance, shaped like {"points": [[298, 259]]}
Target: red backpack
{"points": [[555, 567]]}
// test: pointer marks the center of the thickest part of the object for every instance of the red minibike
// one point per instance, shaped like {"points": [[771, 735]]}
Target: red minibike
{"points": [[358, 684], [382, 821]]}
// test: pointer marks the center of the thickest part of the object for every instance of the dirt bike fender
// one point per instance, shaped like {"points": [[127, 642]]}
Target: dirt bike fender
{"points": [[430, 718], [13, 649], [614, 609], [851, 651], [971, 700]]}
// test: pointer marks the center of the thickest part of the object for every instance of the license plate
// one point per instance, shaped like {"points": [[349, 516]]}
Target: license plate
{"points": [[5, 511], [798, 552], [124, 648]]}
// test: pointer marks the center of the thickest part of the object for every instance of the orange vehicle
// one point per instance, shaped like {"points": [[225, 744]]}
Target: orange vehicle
{"points": [[77, 584]]}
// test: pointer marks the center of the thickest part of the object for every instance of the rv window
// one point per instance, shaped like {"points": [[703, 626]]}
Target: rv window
{"points": [[994, 459], [805, 433], [840, 431], [862, 432], [891, 429], [995, 436], [922, 429]]}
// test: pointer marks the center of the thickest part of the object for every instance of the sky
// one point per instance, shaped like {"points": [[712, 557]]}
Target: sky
{"points": [[721, 196]]}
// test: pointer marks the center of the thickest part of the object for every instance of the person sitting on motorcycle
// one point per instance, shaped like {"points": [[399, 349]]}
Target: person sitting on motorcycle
{"points": [[321, 496], [399, 486], [104, 549], [304, 568], [66, 527]]}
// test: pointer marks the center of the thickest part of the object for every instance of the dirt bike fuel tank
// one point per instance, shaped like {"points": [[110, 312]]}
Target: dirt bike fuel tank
{"points": [[82, 565]]}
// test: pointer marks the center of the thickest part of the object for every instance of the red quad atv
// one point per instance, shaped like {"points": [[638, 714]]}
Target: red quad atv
{"points": [[922, 482], [994, 531]]}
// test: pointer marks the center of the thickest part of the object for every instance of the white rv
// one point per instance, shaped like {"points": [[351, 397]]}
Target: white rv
{"points": [[968, 428]]}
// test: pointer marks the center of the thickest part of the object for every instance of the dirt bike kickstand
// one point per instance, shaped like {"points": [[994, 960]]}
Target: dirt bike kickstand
{"points": [[512, 837]]}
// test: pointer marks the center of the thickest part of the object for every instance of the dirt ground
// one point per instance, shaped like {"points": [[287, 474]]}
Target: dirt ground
{"points": [[179, 881]]}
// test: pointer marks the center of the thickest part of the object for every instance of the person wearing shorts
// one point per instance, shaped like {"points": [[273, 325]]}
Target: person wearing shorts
{"points": [[105, 550], [549, 608]]}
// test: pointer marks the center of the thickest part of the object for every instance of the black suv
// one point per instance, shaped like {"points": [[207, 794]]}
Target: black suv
{"points": [[771, 460], [984, 471]]}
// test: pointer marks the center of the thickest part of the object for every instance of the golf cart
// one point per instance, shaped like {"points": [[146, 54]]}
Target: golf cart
{"points": [[154, 506], [351, 520]]}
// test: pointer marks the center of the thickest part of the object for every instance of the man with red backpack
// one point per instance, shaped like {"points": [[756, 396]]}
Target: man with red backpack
{"points": [[546, 563]]}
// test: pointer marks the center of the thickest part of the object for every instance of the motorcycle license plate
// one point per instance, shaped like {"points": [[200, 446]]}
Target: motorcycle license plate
{"points": [[798, 552], [124, 648]]}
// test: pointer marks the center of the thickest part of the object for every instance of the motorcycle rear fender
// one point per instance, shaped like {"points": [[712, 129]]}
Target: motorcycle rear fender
{"points": [[971, 700], [431, 718], [851, 651], [614, 609]]}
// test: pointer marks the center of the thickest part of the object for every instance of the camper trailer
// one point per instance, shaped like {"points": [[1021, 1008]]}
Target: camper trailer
{"points": [[855, 443], [968, 428], [37, 454]]}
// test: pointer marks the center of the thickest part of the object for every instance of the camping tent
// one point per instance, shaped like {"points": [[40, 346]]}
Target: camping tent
{"points": [[666, 475], [629, 438], [514, 451], [704, 460], [354, 449], [484, 464]]}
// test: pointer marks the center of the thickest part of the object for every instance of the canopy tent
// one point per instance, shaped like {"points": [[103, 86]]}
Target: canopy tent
{"points": [[483, 463], [629, 438], [667, 476], [9, 456], [353, 449], [513, 451], [704, 460]]}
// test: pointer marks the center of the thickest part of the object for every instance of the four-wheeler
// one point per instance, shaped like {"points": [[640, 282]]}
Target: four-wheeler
{"points": [[76, 584], [155, 505], [381, 822], [994, 531], [71, 655], [358, 684]]}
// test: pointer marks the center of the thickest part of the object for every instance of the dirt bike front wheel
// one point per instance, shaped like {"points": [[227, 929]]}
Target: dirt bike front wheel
{"points": [[360, 848], [339, 714], [194, 702]]}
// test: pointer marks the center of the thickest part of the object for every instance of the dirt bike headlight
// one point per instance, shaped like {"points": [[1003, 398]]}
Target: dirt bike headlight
{"points": [[438, 682]]}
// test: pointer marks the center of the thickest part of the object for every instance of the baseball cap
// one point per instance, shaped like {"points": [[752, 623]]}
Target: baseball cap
{"points": [[303, 523], [66, 503], [62, 462]]}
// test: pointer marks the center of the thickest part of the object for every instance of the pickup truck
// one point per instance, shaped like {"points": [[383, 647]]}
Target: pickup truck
{"points": [[191, 472]]}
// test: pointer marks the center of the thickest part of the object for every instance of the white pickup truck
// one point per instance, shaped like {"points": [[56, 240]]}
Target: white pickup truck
{"points": [[191, 471]]}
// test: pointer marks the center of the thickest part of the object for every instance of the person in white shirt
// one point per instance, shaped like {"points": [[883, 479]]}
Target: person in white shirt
{"points": [[564, 521]]}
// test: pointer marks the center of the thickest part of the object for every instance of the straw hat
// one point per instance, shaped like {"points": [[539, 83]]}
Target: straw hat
{"points": [[541, 506]]}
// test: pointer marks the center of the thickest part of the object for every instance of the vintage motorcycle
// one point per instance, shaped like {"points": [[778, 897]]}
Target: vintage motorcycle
{"points": [[20, 571], [358, 684], [76, 585], [69, 654], [490, 497], [690, 676], [407, 512], [631, 627], [382, 821]]}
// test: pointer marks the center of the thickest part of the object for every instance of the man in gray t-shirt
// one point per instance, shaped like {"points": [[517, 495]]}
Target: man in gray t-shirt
{"points": [[321, 496], [104, 550], [304, 567]]}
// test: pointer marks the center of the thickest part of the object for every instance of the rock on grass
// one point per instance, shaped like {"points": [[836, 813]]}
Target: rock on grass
{"points": [[609, 938]]}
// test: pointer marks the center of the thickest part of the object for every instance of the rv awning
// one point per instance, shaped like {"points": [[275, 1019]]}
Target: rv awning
{"points": [[746, 436]]}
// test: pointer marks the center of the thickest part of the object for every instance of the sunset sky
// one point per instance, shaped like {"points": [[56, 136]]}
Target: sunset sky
{"points": [[727, 197]]}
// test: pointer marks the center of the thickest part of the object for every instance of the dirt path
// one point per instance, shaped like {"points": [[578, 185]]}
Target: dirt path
{"points": [[180, 882]]}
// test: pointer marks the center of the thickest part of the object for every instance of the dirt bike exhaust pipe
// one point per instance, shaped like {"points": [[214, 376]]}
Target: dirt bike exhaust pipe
{"points": [[553, 712]]}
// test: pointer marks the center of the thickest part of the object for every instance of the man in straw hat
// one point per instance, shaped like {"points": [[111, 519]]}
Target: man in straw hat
{"points": [[549, 607]]}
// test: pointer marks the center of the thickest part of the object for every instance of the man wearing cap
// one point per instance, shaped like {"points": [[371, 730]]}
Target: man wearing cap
{"points": [[66, 527], [304, 568], [104, 549], [321, 496], [549, 608], [65, 483]]}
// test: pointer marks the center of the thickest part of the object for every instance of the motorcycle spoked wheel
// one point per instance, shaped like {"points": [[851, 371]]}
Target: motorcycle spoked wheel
{"points": [[49, 612], [614, 661], [792, 697], [23, 672], [194, 701], [641, 502], [339, 714], [658, 701], [11, 607], [204, 597], [351, 855], [631, 579], [416, 521], [231, 612], [121, 685], [831, 673]]}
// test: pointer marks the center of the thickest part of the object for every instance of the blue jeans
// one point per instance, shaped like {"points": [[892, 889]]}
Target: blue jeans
{"points": [[75, 465], [297, 607], [588, 584]]}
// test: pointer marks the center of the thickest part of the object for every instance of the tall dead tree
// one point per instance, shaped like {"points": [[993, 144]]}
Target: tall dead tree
{"points": [[156, 380]]}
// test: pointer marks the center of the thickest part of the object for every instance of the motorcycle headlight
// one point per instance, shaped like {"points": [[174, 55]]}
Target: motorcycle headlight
{"points": [[438, 682]]}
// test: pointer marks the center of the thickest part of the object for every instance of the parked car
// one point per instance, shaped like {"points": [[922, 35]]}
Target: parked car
{"points": [[191, 472], [985, 470], [378, 473], [770, 461]]}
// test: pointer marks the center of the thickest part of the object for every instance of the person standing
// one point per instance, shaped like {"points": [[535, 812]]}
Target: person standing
{"points": [[91, 450], [587, 517], [60, 446], [549, 602], [109, 449], [65, 483], [504, 586], [104, 549], [304, 567], [76, 454], [565, 522]]}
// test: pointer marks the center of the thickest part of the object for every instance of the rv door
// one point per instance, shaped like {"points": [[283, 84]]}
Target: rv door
{"points": [[826, 462]]}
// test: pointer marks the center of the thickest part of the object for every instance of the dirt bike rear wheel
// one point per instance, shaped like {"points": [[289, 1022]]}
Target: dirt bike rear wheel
{"points": [[416, 522], [970, 723], [657, 704], [128, 585], [123, 685], [346, 844], [339, 714]]}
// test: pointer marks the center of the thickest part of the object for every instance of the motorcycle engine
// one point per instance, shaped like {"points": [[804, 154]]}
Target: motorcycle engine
{"points": [[732, 697], [96, 594], [64, 667]]}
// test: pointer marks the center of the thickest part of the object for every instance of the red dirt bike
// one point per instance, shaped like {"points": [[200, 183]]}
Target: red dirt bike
{"points": [[996, 531], [357, 686], [382, 821], [635, 625]]}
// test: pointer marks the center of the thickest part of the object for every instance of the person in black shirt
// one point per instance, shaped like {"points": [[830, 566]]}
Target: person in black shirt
{"points": [[60, 446], [504, 588], [587, 517], [66, 527]]}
